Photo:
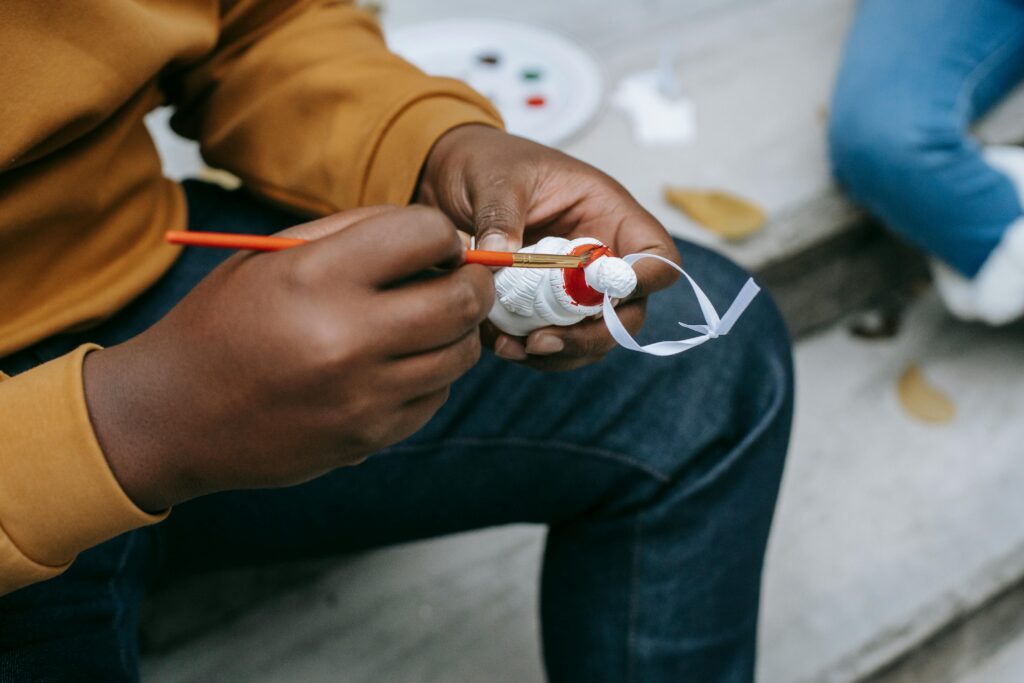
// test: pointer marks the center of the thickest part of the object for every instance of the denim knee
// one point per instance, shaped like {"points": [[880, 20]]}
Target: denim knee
{"points": [[764, 348], [872, 148], [745, 378], [908, 161]]}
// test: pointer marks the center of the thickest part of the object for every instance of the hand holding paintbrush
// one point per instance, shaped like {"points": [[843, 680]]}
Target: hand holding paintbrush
{"points": [[273, 371]]}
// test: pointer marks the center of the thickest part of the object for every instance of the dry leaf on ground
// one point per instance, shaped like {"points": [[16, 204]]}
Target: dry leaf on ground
{"points": [[923, 400], [725, 214]]}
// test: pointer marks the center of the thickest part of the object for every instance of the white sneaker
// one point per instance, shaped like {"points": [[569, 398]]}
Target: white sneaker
{"points": [[996, 294]]}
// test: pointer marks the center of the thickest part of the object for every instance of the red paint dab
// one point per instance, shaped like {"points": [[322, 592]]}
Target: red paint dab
{"points": [[575, 279], [536, 101]]}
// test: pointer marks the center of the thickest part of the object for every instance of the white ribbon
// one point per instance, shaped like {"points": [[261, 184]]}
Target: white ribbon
{"points": [[713, 328]]}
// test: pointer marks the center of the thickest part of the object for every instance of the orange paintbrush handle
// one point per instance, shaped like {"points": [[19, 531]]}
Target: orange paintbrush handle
{"points": [[498, 259], [230, 241], [503, 259]]}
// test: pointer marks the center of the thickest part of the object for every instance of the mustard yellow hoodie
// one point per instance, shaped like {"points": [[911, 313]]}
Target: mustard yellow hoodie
{"points": [[301, 99]]}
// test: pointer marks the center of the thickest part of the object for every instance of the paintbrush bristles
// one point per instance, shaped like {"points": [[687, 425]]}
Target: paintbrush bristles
{"points": [[547, 261]]}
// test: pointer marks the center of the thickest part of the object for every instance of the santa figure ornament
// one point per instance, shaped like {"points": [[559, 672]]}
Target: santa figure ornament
{"points": [[527, 299]]}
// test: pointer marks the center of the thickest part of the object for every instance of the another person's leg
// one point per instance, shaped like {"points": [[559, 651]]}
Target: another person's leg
{"points": [[915, 74]]}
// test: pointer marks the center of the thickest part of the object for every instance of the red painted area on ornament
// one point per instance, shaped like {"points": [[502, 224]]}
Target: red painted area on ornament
{"points": [[536, 101], [576, 279]]}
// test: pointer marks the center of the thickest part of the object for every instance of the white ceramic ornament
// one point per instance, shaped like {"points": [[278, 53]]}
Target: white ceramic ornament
{"points": [[527, 299]]}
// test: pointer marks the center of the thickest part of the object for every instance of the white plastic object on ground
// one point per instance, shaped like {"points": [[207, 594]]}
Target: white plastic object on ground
{"points": [[657, 119]]}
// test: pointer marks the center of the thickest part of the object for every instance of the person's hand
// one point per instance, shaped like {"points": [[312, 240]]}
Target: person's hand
{"points": [[280, 367], [507, 190]]}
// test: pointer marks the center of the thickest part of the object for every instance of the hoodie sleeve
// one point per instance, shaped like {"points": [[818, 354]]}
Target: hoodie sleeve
{"points": [[304, 102], [58, 496]]}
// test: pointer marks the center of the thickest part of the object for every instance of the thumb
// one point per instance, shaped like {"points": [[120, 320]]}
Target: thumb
{"points": [[328, 225], [499, 216]]}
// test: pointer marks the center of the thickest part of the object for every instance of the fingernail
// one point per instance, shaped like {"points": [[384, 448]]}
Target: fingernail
{"points": [[544, 345], [509, 349], [494, 242]]}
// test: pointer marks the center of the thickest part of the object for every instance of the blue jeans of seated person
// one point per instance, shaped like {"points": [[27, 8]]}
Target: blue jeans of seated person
{"points": [[915, 75], [657, 479]]}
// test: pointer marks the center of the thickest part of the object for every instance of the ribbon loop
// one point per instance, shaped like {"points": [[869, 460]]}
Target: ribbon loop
{"points": [[713, 327]]}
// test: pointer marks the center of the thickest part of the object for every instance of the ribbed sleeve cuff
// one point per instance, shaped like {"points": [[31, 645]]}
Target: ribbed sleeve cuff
{"points": [[58, 496], [403, 148]]}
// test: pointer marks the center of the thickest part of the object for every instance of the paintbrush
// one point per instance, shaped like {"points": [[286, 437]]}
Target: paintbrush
{"points": [[501, 259]]}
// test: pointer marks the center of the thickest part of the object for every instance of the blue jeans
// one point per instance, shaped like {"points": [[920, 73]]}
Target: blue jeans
{"points": [[658, 495], [915, 75]]}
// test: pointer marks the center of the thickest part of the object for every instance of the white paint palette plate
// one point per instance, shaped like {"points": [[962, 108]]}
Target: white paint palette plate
{"points": [[546, 87]]}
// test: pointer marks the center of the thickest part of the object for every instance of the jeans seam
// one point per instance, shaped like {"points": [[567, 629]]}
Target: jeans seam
{"points": [[979, 73], [535, 443], [768, 416], [633, 609], [118, 603]]}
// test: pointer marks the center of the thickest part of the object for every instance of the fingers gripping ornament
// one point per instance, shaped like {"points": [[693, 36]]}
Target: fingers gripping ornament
{"points": [[527, 299], [539, 294]]}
